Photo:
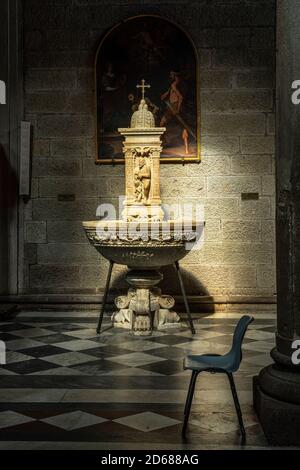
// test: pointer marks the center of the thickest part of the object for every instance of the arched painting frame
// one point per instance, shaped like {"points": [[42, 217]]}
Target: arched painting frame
{"points": [[155, 49]]}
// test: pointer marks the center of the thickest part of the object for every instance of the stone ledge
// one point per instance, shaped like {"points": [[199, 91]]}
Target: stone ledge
{"points": [[92, 301]]}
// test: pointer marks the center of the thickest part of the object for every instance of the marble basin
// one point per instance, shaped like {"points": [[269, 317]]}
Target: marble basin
{"points": [[142, 245]]}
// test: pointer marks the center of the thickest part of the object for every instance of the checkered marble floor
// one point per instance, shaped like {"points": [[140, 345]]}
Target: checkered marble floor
{"points": [[63, 386]]}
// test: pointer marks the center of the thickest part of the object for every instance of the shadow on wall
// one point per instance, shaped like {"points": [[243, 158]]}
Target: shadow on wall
{"points": [[8, 185], [8, 200], [194, 288], [170, 285]]}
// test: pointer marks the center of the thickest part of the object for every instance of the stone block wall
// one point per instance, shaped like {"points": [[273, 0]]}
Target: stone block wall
{"points": [[236, 45]]}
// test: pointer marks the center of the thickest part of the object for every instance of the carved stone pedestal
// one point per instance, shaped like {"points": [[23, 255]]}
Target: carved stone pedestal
{"points": [[143, 240], [142, 148], [144, 306]]}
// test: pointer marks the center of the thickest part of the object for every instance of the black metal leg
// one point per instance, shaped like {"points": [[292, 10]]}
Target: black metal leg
{"points": [[111, 263], [189, 400], [188, 394], [237, 405], [176, 265]]}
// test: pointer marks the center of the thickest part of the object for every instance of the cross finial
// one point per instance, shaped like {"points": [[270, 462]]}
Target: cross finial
{"points": [[143, 86]]}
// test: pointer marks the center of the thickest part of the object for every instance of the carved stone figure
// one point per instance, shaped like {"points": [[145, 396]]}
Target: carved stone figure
{"points": [[142, 179]]}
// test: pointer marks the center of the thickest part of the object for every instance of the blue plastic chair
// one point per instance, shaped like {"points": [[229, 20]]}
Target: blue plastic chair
{"points": [[215, 363]]}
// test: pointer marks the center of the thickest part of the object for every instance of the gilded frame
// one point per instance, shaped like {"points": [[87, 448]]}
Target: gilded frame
{"points": [[181, 160]]}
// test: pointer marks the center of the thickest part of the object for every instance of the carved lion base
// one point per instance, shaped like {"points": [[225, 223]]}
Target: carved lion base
{"points": [[144, 309], [140, 324]]}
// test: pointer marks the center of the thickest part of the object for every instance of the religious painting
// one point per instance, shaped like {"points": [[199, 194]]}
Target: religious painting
{"points": [[152, 57]]}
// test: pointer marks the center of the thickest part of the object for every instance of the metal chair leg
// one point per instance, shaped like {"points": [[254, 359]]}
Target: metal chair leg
{"points": [[176, 265], [111, 263], [188, 394], [237, 405], [189, 400]]}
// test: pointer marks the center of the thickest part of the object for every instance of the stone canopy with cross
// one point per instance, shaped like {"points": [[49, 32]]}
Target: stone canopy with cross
{"points": [[142, 118], [142, 148]]}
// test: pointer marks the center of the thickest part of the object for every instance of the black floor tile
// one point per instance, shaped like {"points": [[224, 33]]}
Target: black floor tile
{"points": [[65, 327], [169, 353], [107, 351], [101, 365], [42, 351], [14, 326], [270, 329], [55, 338], [170, 339], [30, 366], [224, 329], [8, 337], [168, 367]]}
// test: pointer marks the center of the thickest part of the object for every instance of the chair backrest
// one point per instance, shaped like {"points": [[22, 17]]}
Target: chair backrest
{"points": [[238, 336]]}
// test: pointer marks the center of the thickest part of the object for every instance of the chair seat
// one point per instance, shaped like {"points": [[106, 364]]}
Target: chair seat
{"points": [[209, 361]]}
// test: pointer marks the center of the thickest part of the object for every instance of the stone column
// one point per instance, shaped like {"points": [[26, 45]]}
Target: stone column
{"points": [[129, 167], [277, 388], [155, 188]]}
